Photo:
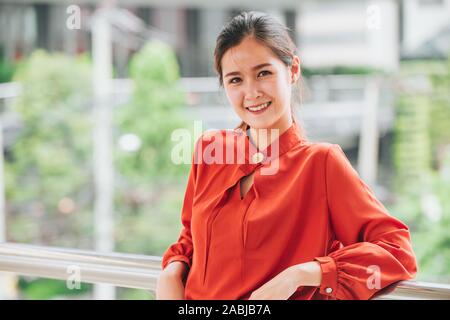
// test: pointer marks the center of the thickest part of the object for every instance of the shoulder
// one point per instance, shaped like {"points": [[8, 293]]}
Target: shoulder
{"points": [[335, 160], [219, 138], [318, 149], [331, 160], [324, 153]]}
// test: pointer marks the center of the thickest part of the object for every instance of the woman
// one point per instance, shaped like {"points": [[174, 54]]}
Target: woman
{"points": [[306, 228]]}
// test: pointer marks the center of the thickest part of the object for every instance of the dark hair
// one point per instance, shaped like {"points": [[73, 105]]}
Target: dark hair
{"points": [[263, 28]]}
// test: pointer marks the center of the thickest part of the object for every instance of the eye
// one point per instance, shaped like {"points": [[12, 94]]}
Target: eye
{"points": [[234, 80], [264, 73]]}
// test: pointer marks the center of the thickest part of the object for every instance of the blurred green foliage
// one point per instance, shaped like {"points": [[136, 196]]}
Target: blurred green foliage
{"points": [[134, 294], [152, 114], [7, 68], [44, 289], [150, 185], [6, 71], [355, 70], [421, 154], [50, 160]]}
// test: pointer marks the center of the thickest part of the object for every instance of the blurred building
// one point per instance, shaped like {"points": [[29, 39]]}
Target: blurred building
{"points": [[365, 33]]}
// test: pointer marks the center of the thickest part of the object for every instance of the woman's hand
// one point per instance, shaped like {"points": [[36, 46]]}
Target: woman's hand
{"points": [[279, 288], [284, 284], [170, 284]]}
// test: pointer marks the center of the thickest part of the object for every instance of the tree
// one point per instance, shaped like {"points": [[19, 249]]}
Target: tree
{"points": [[149, 193], [48, 171], [422, 162]]}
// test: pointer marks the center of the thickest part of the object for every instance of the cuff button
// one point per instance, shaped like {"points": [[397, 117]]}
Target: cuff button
{"points": [[328, 290]]}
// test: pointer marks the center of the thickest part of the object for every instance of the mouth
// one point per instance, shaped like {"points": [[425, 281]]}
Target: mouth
{"points": [[259, 108]]}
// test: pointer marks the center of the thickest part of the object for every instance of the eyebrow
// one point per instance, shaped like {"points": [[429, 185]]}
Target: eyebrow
{"points": [[259, 66]]}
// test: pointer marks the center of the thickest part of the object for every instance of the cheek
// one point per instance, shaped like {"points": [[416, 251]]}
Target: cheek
{"points": [[235, 97], [276, 89], [271, 89], [284, 90]]}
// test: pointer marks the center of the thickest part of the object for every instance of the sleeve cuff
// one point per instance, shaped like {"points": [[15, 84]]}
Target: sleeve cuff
{"points": [[328, 285], [176, 258]]}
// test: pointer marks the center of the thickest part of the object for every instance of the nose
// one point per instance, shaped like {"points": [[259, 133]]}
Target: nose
{"points": [[252, 91]]}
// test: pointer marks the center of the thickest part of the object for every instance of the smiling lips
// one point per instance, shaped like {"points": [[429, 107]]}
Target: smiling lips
{"points": [[259, 108]]}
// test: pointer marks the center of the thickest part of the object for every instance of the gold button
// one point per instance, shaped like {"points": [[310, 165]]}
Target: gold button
{"points": [[257, 157]]}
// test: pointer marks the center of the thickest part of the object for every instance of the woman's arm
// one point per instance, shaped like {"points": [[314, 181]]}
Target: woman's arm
{"points": [[177, 259], [307, 274], [170, 284], [375, 248], [284, 284]]}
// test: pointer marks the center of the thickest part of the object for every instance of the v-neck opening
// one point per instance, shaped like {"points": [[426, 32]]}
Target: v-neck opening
{"points": [[243, 197], [250, 139]]}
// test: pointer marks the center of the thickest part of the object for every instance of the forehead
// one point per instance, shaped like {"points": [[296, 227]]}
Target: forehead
{"points": [[247, 54]]}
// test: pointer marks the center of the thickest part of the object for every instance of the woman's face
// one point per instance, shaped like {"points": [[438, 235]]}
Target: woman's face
{"points": [[258, 84]]}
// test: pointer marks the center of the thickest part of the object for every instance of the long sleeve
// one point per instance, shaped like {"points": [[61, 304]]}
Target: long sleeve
{"points": [[374, 248], [182, 250]]}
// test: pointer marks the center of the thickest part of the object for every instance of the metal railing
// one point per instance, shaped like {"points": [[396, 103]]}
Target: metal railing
{"points": [[141, 272], [119, 269]]}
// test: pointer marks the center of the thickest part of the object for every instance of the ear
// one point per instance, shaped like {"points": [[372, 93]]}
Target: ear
{"points": [[295, 69]]}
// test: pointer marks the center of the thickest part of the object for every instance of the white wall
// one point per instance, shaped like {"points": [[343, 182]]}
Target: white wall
{"points": [[337, 33], [423, 19]]}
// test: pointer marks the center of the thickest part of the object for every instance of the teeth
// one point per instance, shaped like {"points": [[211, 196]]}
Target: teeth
{"points": [[260, 107]]}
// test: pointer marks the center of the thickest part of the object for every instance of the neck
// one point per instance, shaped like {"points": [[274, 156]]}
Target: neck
{"points": [[263, 137]]}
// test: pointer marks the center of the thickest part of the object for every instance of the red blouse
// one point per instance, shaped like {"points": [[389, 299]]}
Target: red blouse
{"points": [[309, 204]]}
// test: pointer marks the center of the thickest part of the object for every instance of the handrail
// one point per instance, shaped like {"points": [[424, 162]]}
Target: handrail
{"points": [[141, 272], [119, 269]]}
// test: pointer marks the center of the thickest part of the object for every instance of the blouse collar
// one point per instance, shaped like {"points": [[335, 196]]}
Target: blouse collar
{"points": [[285, 142]]}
